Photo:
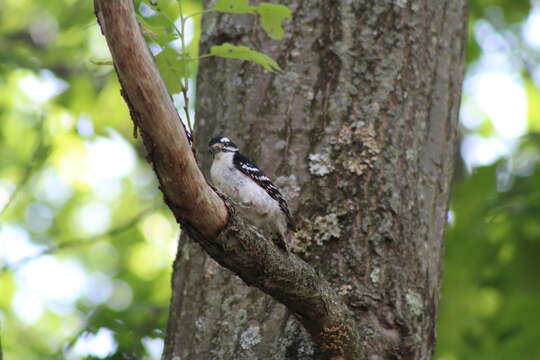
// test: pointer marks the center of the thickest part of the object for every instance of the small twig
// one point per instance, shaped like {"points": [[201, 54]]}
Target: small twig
{"points": [[183, 79], [203, 214], [39, 155], [93, 313], [80, 242]]}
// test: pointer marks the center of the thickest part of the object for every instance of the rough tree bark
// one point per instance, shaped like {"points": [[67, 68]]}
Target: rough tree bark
{"points": [[360, 131], [361, 128], [203, 214]]}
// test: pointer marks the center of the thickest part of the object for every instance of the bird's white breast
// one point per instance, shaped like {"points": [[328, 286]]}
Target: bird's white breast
{"points": [[253, 200]]}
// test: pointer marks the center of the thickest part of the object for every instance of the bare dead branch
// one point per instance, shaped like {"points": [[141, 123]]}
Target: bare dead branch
{"points": [[202, 213]]}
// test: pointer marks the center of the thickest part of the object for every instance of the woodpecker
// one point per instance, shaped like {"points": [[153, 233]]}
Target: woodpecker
{"points": [[257, 198]]}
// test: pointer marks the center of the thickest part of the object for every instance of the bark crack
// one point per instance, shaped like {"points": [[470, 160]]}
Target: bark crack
{"points": [[202, 213]]}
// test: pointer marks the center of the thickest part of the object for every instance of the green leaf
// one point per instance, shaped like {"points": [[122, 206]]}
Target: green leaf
{"points": [[157, 29], [272, 17], [513, 11], [227, 50], [233, 6], [473, 48], [533, 105], [168, 8], [172, 69]]}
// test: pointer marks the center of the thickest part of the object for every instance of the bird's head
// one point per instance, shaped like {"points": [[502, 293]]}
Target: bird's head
{"points": [[221, 144]]}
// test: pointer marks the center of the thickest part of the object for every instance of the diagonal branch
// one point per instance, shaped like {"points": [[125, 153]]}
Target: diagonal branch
{"points": [[202, 213], [152, 111]]}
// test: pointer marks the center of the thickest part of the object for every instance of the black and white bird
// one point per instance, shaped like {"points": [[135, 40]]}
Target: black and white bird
{"points": [[258, 199]]}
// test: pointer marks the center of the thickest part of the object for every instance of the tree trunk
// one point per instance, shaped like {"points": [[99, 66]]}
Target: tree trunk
{"points": [[359, 130]]}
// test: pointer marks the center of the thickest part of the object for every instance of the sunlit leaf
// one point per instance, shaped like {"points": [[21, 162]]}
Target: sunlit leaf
{"points": [[513, 11], [272, 17], [8, 289], [486, 129], [473, 49], [227, 50], [158, 29], [105, 102], [52, 44], [168, 8], [533, 105], [172, 69]]}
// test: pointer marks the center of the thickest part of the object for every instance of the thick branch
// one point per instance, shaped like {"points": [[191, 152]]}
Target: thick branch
{"points": [[289, 280], [153, 112], [199, 209]]}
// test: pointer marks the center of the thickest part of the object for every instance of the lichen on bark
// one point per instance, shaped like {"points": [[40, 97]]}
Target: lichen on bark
{"points": [[364, 119]]}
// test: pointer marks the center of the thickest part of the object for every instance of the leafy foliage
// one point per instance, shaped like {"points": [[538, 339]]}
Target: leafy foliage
{"points": [[155, 30], [227, 50], [161, 29], [157, 19], [513, 12], [86, 244], [500, 13], [272, 17], [490, 291], [173, 68]]}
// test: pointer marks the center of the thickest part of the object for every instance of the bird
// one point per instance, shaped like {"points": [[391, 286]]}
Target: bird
{"points": [[257, 198]]}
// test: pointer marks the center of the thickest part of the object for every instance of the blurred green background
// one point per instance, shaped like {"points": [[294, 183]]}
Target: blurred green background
{"points": [[86, 244]]}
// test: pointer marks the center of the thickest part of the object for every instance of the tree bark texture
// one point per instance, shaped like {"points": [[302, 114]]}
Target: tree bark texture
{"points": [[184, 188], [207, 218], [359, 131]]}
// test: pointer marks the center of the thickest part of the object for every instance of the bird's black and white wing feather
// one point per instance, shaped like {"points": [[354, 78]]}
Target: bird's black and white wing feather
{"points": [[251, 170]]}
